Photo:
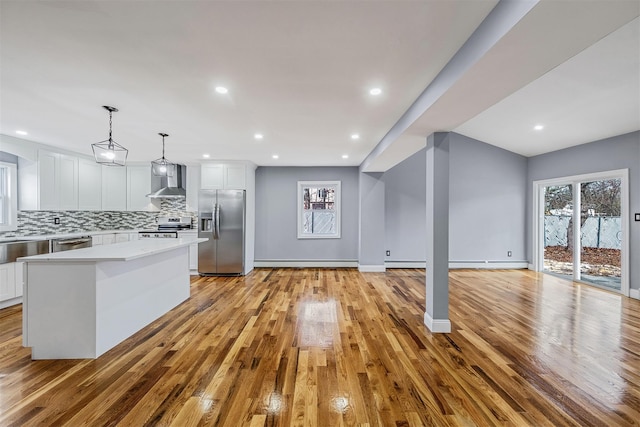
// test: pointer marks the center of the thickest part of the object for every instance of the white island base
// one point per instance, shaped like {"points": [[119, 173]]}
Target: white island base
{"points": [[80, 304]]}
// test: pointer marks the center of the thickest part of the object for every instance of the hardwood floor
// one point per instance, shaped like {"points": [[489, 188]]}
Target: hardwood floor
{"points": [[331, 347]]}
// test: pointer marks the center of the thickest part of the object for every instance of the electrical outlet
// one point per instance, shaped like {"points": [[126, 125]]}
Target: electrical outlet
{"points": [[56, 220], [637, 217], [388, 253], [509, 253]]}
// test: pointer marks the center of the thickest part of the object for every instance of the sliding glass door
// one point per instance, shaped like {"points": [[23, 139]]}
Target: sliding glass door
{"points": [[601, 233], [558, 226], [581, 229]]}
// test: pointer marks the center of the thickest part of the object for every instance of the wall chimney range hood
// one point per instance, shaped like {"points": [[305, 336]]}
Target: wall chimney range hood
{"points": [[169, 187]]}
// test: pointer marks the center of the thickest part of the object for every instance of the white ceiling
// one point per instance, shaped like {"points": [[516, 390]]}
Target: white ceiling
{"points": [[594, 95], [299, 72]]}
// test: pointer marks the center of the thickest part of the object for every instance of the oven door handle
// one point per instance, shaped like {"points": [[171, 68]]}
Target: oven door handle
{"points": [[72, 242]]}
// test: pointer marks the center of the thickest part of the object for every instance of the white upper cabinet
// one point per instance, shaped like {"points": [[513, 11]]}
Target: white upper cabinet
{"points": [[138, 186], [68, 179], [55, 178], [234, 177], [89, 185], [211, 176], [229, 176], [114, 188], [193, 187], [47, 180]]}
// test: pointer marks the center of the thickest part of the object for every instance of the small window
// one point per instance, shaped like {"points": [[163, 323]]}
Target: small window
{"points": [[8, 197], [318, 209]]}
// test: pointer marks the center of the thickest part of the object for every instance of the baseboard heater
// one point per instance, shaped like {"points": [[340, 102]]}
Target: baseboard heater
{"points": [[513, 265]]}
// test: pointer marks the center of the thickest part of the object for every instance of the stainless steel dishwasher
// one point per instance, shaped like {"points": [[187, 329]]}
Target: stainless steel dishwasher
{"points": [[12, 250], [68, 244]]}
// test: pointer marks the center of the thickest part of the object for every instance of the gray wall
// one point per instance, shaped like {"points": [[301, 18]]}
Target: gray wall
{"points": [[487, 188], [620, 152], [276, 222], [405, 209], [372, 214]]}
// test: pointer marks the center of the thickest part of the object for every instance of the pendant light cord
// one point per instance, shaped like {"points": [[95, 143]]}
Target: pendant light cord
{"points": [[110, 122]]}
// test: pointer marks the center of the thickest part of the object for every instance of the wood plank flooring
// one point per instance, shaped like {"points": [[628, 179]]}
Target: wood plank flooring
{"points": [[334, 347]]}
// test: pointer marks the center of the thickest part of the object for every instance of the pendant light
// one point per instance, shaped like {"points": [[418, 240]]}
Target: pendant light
{"points": [[109, 152], [162, 166]]}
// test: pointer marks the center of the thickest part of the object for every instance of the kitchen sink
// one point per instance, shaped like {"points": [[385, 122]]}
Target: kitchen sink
{"points": [[12, 250]]}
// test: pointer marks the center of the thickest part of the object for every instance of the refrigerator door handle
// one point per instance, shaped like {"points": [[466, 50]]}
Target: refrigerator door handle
{"points": [[216, 221]]}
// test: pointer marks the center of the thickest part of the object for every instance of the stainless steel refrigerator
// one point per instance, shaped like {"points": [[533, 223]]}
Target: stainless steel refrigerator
{"points": [[221, 220]]}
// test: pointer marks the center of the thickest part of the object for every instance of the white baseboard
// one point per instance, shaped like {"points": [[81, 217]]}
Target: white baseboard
{"points": [[371, 268], [502, 265], [405, 264], [305, 264], [10, 302], [437, 326], [531, 267], [634, 293]]}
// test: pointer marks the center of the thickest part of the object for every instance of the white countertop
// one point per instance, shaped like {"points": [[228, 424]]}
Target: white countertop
{"points": [[124, 251], [69, 235], [85, 233]]}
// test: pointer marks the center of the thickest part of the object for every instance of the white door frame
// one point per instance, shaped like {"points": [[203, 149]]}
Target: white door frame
{"points": [[538, 217]]}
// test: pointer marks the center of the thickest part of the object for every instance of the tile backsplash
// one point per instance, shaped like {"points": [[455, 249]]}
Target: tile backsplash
{"points": [[43, 222]]}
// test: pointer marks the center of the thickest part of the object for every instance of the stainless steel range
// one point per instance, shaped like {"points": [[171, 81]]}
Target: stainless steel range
{"points": [[168, 228]]}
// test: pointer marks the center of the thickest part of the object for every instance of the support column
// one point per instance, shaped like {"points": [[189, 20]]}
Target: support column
{"points": [[436, 317], [372, 227]]}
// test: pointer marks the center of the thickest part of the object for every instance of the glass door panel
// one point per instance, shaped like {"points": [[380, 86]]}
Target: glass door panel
{"points": [[601, 233], [558, 230]]}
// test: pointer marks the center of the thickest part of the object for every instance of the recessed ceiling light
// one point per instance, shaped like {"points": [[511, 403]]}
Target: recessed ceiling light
{"points": [[375, 91], [258, 136], [206, 156], [355, 136], [345, 156], [275, 156], [21, 132], [221, 89], [538, 127]]}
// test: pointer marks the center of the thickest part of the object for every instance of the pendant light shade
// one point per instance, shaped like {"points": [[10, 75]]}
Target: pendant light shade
{"points": [[109, 152], [162, 166]]}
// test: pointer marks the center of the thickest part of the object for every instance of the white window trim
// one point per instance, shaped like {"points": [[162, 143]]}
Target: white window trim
{"points": [[338, 206], [12, 197]]}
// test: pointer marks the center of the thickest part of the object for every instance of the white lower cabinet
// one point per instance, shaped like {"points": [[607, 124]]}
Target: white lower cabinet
{"points": [[7, 281], [11, 284], [111, 238], [122, 237], [19, 275], [193, 257], [193, 249]]}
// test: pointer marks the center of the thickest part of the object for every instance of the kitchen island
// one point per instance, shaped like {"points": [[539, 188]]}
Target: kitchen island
{"points": [[79, 304]]}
